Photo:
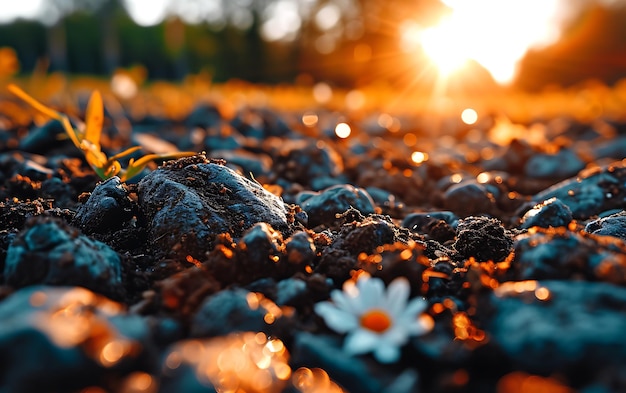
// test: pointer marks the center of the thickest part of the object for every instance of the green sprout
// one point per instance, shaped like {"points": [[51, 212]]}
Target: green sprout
{"points": [[88, 139]]}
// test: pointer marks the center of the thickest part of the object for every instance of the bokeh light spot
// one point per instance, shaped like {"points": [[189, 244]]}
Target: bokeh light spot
{"points": [[469, 116], [418, 157], [146, 12], [322, 92], [328, 16], [343, 130], [310, 119]]}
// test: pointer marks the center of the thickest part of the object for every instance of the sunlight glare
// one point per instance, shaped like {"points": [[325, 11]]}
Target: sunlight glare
{"points": [[282, 21], [27, 9], [147, 12], [328, 16], [495, 33], [441, 44]]}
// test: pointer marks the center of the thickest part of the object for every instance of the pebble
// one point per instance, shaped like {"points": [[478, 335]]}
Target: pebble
{"points": [[106, 209], [591, 193], [484, 239], [559, 254], [438, 225], [42, 139], [557, 166], [550, 213], [69, 339], [203, 116], [323, 207], [560, 327], [470, 198], [49, 252], [613, 225], [191, 201], [303, 161], [300, 249], [234, 310]]}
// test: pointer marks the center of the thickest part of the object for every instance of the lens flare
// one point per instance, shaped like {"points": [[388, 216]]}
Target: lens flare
{"points": [[494, 33]]}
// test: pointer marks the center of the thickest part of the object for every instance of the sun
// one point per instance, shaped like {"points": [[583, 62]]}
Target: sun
{"points": [[444, 49], [494, 33]]}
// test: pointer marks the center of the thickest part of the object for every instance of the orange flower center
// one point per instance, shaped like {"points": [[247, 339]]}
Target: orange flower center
{"points": [[376, 320]]}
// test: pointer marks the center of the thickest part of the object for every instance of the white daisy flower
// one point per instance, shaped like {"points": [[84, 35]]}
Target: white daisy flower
{"points": [[376, 321]]}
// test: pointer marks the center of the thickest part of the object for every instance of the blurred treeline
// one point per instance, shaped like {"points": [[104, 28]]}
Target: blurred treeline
{"points": [[97, 41]]}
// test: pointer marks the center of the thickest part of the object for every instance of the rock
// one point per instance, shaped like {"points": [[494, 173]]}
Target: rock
{"points": [[470, 198], [578, 326], [613, 148], [302, 161], [322, 208], [182, 293], [513, 159], [62, 193], [34, 170], [106, 209], [68, 339], [14, 214], [557, 254], [439, 226], [300, 249], [613, 225], [49, 252], [260, 253], [549, 213], [420, 221], [359, 237], [386, 201], [112, 217], [42, 139], [226, 138], [290, 292], [483, 238], [235, 310], [249, 164], [557, 166], [204, 116], [189, 202], [370, 233], [591, 193]]}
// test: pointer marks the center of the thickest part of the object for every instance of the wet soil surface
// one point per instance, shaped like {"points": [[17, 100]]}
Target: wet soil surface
{"points": [[209, 265]]}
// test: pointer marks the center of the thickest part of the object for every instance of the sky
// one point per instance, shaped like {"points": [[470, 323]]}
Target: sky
{"points": [[495, 33]]}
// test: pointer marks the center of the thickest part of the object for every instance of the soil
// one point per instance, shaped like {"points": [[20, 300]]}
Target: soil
{"points": [[163, 283]]}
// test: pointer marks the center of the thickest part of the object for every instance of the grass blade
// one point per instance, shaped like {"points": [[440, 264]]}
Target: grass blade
{"points": [[94, 118]]}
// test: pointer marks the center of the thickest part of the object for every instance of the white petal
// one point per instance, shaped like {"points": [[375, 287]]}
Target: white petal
{"points": [[344, 301], [371, 292], [398, 335], [336, 318], [414, 308], [360, 341], [387, 353], [397, 296]]}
